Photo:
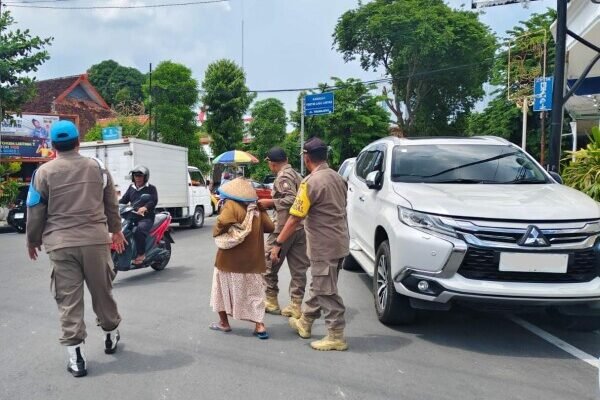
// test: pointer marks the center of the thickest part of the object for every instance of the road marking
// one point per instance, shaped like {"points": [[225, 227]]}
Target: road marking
{"points": [[561, 344]]}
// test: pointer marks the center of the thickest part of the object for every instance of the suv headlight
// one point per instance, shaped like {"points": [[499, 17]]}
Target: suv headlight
{"points": [[424, 222]]}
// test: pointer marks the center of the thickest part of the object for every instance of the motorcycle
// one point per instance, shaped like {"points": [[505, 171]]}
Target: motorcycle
{"points": [[158, 244], [17, 216]]}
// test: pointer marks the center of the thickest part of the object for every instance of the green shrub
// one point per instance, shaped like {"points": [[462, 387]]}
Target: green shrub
{"points": [[584, 173]]}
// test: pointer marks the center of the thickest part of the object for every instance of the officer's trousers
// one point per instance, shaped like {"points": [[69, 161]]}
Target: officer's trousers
{"points": [[294, 250], [323, 294], [70, 268]]}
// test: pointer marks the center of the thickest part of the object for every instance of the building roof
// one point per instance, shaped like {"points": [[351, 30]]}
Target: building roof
{"points": [[55, 91]]}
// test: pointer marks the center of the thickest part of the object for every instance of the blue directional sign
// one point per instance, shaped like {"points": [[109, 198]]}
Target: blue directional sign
{"points": [[542, 93], [111, 133], [318, 104]]}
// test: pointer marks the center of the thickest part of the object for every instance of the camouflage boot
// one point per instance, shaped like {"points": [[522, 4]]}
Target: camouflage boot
{"points": [[272, 305], [302, 326], [333, 341], [294, 309]]}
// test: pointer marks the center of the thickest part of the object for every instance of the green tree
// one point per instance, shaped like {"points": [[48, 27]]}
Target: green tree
{"points": [[20, 55], [437, 58], [174, 94], [502, 117], [267, 128], [131, 128], [227, 99], [358, 119], [117, 83]]}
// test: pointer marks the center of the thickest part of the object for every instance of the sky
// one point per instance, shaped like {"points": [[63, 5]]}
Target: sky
{"points": [[287, 43]]}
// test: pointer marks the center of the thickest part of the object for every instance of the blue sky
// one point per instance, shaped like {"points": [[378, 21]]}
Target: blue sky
{"points": [[287, 42]]}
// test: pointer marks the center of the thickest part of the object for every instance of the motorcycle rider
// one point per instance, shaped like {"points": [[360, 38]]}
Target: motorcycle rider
{"points": [[139, 186]]}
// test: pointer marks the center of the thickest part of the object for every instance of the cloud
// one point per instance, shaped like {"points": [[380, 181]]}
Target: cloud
{"points": [[288, 43]]}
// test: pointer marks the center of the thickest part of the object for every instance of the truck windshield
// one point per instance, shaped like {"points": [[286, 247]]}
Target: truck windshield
{"points": [[464, 163]]}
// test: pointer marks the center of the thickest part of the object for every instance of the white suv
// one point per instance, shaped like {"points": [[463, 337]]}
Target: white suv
{"points": [[439, 220]]}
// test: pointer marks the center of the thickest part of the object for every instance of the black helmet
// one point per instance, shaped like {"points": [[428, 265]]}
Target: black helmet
{"points": [[140, 169]]}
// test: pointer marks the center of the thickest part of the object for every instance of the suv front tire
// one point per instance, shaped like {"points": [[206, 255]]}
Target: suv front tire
{"points": [[392, 308]]}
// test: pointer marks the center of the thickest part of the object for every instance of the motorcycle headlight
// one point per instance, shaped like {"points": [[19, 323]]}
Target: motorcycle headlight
{"points": [[425, 222]]}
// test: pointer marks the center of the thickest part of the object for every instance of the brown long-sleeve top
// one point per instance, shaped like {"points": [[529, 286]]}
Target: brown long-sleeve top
{"points": [[249, 256]]}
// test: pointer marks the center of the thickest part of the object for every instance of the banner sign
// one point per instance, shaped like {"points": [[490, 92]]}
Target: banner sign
{"points": [[112, 133], [29, 125], [17, 148]]}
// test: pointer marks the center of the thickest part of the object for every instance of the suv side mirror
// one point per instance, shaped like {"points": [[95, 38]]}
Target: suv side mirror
{"points": [[374, 180], [556, 177]]}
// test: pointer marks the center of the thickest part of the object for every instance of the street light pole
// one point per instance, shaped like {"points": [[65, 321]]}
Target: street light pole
{"points": [[559, 86]]}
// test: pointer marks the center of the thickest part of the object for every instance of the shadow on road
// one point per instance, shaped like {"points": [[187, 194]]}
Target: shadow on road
{"points": [[471, 330], [131, 362], [148, 276]]}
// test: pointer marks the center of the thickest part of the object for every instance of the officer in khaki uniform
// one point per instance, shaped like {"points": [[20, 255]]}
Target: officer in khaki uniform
{"points": [[285, 189], [321, 202], [72, 207]]}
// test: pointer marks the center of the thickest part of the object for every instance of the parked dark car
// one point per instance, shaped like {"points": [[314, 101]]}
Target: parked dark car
{"points": [[17, 216]]}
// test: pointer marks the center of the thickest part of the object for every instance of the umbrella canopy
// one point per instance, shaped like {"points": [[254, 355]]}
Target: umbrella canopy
{"points": [[235, 157]]}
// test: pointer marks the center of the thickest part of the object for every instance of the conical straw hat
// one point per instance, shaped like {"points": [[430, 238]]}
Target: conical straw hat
{"points": [[239, 189]]}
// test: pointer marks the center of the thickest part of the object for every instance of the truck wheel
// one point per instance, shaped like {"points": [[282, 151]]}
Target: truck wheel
{"points": [[19, 228], [198, 218], [392, 308], [350, 264]]}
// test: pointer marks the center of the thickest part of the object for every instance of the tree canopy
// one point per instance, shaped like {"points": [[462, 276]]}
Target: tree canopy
{"points": [[116, 83], [227, 99], [174, 94], [20, 54], [437, 58], [268, 129], [502, 117], [357, 120]]}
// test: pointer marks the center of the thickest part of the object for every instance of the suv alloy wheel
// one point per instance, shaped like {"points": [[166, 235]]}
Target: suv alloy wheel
{"points": [[392, 308]]}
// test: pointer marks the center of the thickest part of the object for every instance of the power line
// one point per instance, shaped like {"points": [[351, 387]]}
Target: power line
{"points": [[375, 81], [162, 5]]}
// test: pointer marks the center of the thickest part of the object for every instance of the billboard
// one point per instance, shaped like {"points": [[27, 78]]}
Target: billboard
{"points": [[28, 125], [26, 138], [15, 148]]}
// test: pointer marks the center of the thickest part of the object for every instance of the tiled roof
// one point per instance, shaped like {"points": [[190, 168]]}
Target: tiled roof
{"points": [[47, 91]]}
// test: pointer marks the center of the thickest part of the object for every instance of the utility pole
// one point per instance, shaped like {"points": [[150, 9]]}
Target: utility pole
{"points": [[150, 133], [559, 86], [301, 135], [242, 34]]}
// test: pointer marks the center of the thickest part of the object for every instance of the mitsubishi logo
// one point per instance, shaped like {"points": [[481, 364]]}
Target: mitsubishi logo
{"points": [[533, 238]]}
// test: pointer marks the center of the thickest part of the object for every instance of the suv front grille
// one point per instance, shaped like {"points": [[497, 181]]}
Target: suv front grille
{"points": [[483, 264], [514, 236]]}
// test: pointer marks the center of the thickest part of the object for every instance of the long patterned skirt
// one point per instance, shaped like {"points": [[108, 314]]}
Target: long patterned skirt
{"points": [[241, 296]]}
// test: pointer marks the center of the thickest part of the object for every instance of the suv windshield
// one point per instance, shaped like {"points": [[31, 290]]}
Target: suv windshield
{"points": [[464, 163]]}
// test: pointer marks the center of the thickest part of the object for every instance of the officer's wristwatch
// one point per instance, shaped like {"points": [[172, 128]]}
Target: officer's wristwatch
{"points": [[278, 244]]}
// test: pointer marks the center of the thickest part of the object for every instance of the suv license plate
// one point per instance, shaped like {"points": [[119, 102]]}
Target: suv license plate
{"points": [[531, 262], [19, 215]]}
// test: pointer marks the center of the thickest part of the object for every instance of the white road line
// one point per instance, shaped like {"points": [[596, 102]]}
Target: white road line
{"points": [[561, 344]]}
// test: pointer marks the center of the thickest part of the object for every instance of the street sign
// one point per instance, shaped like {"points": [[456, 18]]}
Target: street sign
{"points": [[111, 133], [318, 104], [542, 93]]}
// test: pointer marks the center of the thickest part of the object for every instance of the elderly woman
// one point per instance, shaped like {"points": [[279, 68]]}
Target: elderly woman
{"points": [[238, 288]]}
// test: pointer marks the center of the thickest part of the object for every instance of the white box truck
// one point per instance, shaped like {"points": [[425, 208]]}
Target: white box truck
{"points": [[182, 190]]}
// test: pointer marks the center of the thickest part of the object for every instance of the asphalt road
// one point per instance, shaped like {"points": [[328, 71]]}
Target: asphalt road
{"points": [[167, 351]]}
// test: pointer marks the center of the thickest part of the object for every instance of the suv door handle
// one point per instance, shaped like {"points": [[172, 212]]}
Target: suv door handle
{"points": [[362, 198]]}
